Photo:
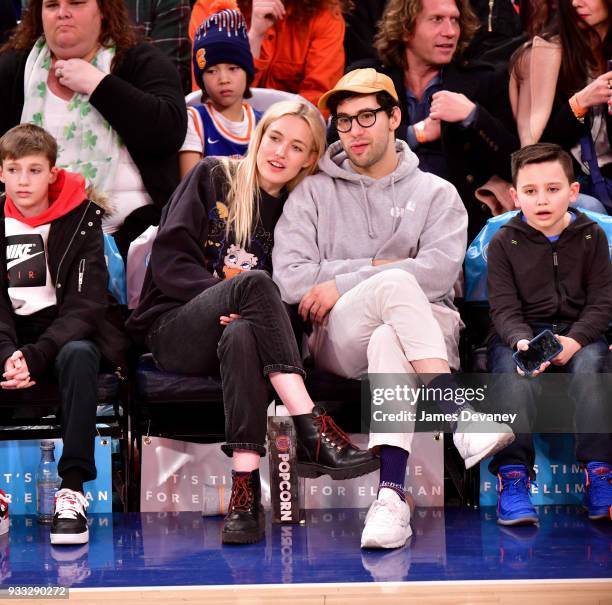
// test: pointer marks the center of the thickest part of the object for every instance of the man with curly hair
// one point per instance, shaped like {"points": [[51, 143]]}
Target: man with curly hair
{"points": [[455, 114]]}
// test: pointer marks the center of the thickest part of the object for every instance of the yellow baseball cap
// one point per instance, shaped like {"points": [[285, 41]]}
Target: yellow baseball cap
{"points": [[362, 81]]}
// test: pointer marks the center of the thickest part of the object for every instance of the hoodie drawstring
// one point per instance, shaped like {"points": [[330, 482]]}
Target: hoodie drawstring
{"points": [[396, 212], [371, 232]]}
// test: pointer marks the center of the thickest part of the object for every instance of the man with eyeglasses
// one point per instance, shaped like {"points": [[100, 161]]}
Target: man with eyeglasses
{"points": [[370, 248]]}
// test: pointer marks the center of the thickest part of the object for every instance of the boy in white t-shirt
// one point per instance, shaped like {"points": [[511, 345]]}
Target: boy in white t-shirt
{"points": [[223, 66], [54, 316]]}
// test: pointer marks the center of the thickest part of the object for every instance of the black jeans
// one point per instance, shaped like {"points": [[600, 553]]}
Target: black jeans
{"points": [[76, 367], [190, 340], [591, 359], [76, 370]]}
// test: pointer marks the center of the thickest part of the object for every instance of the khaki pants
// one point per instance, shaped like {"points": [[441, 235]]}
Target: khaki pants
{"points": [[379, 327]]}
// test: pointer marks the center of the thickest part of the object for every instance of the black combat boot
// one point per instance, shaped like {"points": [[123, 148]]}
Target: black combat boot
{"points": [[244, 522], [323, 448]]}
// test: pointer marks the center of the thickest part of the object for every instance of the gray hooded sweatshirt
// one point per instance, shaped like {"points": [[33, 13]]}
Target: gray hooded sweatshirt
{"points": [[336, 222]]}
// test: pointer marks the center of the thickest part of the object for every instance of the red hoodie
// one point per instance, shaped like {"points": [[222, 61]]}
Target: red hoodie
{"points": [[65, 194]]}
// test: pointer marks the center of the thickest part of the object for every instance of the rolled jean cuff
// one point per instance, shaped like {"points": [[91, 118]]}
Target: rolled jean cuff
{"points": [[280, 367], [228, 448], [402, 440], [418, 352]]}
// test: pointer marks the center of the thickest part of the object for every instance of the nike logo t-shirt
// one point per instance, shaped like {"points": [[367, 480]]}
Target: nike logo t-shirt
{"points": [[30, 287]]}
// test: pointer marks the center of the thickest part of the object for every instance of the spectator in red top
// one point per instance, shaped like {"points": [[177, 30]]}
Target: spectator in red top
{"points": [[297, 45]]}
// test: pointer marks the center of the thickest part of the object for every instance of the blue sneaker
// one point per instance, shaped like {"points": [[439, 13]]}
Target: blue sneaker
{"points": [[514, 504], [598, 490]]}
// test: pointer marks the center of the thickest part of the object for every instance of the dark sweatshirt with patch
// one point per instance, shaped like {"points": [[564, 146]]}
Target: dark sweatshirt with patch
{"points": [[192, 250]]}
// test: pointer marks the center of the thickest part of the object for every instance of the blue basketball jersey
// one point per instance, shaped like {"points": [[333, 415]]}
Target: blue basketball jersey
{"points": [[216, 140]]}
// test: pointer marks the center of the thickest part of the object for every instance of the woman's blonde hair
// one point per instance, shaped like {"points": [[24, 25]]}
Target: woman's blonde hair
{"points": [[243, 195]]}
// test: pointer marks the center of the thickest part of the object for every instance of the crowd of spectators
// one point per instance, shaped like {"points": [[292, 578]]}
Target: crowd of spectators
{"points": [[391, 151]]}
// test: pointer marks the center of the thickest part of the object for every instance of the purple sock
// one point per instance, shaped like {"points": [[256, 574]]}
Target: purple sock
{"points": [[393, 462]]}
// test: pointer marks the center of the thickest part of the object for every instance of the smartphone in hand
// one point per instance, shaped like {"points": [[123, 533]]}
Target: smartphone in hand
{"points": [[542, 347]]}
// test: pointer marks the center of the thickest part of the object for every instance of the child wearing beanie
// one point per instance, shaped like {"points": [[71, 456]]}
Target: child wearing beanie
{"points": [[223, 67]]}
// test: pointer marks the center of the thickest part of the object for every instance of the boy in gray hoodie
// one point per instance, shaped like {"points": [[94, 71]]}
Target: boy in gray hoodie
{"points": [[370, 248]]}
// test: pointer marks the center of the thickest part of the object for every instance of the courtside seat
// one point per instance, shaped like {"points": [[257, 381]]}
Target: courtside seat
{"points": [[260, 100], [154, 386], [46, 395], [324, 386]]}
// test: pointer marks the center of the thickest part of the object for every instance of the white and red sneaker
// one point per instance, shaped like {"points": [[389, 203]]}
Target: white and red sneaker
{"points": [[70, 519], [4, 513]]}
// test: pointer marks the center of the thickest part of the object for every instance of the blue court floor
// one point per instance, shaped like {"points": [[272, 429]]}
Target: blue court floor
{"points": [[183, 549]]}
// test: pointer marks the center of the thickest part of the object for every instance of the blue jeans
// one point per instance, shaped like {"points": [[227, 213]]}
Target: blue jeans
{"points": [[591, 359]]}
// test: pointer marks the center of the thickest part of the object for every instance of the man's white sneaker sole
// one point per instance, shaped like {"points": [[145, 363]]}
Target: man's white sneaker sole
{"points": [[503, 440], [493, 443]]}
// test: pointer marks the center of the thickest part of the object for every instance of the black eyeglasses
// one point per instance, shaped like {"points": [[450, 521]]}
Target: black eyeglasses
{"points": [[365, 119]]}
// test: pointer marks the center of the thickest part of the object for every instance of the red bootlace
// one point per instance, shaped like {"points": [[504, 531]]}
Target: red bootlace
{"points": [[330, 429], [242, 495]]}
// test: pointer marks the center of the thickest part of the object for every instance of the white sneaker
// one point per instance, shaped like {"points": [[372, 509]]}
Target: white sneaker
{"points": [[474, 445], [4, 513], [387, 523], [69, 524]]}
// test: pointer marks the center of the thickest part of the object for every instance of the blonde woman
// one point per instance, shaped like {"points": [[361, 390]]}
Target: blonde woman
{"points": [[209, 305]]}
